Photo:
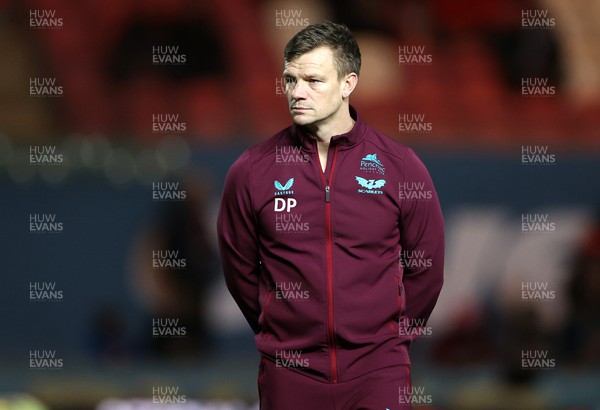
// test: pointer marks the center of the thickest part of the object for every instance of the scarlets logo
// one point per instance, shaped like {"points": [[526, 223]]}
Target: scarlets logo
{"points": [[370, 186], [370, 183]]}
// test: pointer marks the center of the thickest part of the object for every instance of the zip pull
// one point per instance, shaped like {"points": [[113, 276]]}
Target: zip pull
{"points": [[327, 193]]}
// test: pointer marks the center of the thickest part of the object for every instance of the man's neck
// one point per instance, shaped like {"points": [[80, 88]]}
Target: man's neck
{"points": [[334, 126], [324, 132]]}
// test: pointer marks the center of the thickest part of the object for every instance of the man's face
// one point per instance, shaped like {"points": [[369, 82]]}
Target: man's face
{"points": [[313, 89]]}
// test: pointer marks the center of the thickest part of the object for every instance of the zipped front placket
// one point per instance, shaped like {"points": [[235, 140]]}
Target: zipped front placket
{"points": [[329, 259]]}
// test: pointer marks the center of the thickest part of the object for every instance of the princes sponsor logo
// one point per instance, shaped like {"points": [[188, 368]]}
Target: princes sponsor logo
{"points": [[370, 163]]}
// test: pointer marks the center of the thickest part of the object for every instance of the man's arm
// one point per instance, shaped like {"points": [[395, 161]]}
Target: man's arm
{"points": [[422, 237], [238, 240]]}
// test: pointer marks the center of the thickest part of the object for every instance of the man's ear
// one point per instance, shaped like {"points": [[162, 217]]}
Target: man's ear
{"points": [[350, 81]]}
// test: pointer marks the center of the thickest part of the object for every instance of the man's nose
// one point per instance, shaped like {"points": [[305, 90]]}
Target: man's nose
{"points": [[298, 90]]}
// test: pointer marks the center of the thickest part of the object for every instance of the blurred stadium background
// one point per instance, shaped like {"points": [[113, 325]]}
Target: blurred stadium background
{"points": [[136, 109]]}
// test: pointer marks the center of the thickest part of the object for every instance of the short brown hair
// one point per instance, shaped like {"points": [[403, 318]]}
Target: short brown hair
{"points": [[335, 36]]}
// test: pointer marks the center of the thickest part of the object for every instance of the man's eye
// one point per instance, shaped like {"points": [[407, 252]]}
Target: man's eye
{"points": [[313, 81], [289, 80]]}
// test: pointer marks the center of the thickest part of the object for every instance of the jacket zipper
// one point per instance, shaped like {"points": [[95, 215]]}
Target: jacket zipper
{"points": [[329, 257], [267, 303], [264, 313]]}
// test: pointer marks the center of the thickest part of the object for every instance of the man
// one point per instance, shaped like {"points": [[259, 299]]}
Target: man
{"points": [[331, 237]]}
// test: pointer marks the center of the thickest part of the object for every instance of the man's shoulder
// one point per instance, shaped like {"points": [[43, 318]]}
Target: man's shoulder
{"points": [[267, 147], [253, 158], [385, 143]]}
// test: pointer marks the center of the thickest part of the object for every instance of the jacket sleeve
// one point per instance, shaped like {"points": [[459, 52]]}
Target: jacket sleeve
{"points": [[422, 237], [238, 240]]}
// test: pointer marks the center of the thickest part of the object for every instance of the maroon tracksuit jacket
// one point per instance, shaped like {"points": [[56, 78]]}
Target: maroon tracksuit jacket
{"points": [[335, 271]]}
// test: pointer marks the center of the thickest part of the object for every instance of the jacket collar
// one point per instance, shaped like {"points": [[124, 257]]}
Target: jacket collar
{"points": [[347, 140]]}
